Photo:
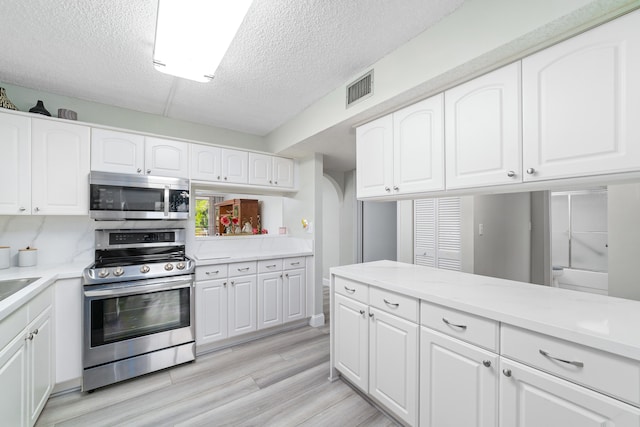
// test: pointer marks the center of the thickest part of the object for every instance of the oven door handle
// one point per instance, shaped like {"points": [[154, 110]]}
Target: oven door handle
{"points": [[133, 290], [166, 200]]}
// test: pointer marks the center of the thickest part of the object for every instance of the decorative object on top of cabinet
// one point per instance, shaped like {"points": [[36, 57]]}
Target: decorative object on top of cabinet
{"points": [[402, 153], [5, 102], [483, 132], [231, 216], [39, 109], [581, 103], [63, 113]]}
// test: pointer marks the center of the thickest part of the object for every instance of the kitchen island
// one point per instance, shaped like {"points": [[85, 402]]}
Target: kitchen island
{"points": [[432, 345]]}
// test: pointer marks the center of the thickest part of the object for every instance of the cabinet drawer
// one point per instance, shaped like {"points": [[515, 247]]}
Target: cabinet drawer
{"points": [[352, 289], [291, 263], [269, 265], [210, 272], [13, 325], [605, 372], [391, 302], [474, 329], [40, 303], [242, 268]]}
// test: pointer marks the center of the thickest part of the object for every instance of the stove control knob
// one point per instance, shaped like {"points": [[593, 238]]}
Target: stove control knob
{"points": [[180, 266], [168, 267], [103, 273], [119, 271], [144, 269]]}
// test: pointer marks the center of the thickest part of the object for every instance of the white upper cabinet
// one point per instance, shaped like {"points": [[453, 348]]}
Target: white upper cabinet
{"points": [[283, 172], [483, 132], [270, 170], [60, 168], [581, 104], [116, 151], [15, 165], [165, 157], [122, 152], [402, 153], [206, 162], [235, 166]]}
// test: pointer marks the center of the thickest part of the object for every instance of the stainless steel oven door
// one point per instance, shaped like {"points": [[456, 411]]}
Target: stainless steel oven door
{"points": [[126, 319]]}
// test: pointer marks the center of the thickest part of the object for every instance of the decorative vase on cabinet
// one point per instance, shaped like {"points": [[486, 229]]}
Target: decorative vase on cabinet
{"points": [[5, 102]]}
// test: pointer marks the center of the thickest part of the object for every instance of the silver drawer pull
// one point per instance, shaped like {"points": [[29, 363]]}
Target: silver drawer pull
{"points": [[349, 290], [271, 266], [568, 362], [212, 272], [244, 269], [444, 319], [295, 263], [392, 304]]}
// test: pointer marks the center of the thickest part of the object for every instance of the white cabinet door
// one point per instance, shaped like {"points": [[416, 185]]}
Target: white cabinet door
{"points": [[60, 168], [483, 132], [206, 162], [532, 398], [242, 305], [458, 383], [68, 299], [418, 147], [113, 151], [581, 104], [164, 157], [269, 300], [352, 340], [13, 383], [374, 158], [260, 169], [40, 350], [283, 172], [393, 369], [15, 165], [294, 295], [211, 311], [235, 166]]}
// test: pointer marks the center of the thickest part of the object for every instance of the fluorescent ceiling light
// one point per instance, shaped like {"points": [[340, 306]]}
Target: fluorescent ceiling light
{"points": [[192, 36]]}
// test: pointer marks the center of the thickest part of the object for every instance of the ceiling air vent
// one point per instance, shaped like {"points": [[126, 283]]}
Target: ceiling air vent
{"points": [[360, 89]]}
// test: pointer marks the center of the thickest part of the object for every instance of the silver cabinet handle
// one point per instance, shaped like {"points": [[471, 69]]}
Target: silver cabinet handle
{"points": [[511, 174], [568, 362], [444, 319], [243, 269], [295, 263], [531, 171], [139, 170], [286, 275], [148, 171], [387, 189], [29, 337], [362, 312], [37, 209], [218, 178], [506, 372], [349, 290], [392, 304], [225, 178], [35, 332], [395, 187], [275, 182], [371, 315], [22, 209], [212, 272], [271, 266], [233, 283], [487, 363], [224, 284]]}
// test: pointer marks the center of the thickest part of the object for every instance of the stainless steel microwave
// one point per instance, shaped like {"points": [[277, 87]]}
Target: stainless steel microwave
{"points": [[117, 196]]}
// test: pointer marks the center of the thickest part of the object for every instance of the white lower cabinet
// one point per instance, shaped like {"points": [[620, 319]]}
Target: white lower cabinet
{"points": [[351, 340], [211, 311], [458, 383], [532, 398], [242, 305], [294, 295], [40, 350], [13, 382], [269, 299]]}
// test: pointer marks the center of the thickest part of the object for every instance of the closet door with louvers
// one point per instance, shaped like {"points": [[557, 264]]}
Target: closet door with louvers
{"points": [[437, 233]]}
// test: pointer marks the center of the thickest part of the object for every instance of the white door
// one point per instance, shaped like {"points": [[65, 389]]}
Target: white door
{"points": [[374, 158], [15, 165], [581, 104], [41, 364], [283, 172], [393, 369], [164, 157], [13, 382], [294, 295], [418, 144], [113, 151], [242, 305], [211, 311], [352, 340], [269, 299], [532, 398], [206, 163], [483, 132], [437, 233], [235, 166], [458, 383], [260, 169], [60, 164]]}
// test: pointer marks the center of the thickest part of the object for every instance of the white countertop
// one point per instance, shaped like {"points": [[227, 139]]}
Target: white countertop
{"points": [[606, 323], [47, 274], [219, 258]]}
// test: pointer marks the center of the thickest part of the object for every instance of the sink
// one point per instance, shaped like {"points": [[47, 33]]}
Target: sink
{"points": [[11, 286]]}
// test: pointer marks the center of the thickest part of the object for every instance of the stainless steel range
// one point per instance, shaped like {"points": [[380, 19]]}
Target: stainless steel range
{"points": [[138, 305]]}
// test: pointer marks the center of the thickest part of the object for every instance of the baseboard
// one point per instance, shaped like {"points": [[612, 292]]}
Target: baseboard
{"points": [[325, 282], [317, 320], [67, 387]]}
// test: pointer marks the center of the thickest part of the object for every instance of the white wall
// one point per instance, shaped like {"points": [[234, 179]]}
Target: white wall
{"points": [[331, 227], [348, 220], [624, 240], [405, 231], [379, 231]]}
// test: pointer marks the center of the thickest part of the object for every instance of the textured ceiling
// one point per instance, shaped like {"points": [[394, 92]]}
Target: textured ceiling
{"points": [[286, 55]]}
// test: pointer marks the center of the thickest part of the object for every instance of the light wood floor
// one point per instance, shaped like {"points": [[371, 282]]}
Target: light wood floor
{"points": [[276, 381]]}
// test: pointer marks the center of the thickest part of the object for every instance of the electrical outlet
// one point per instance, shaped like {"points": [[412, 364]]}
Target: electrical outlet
{"points": [[480, 229]]}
